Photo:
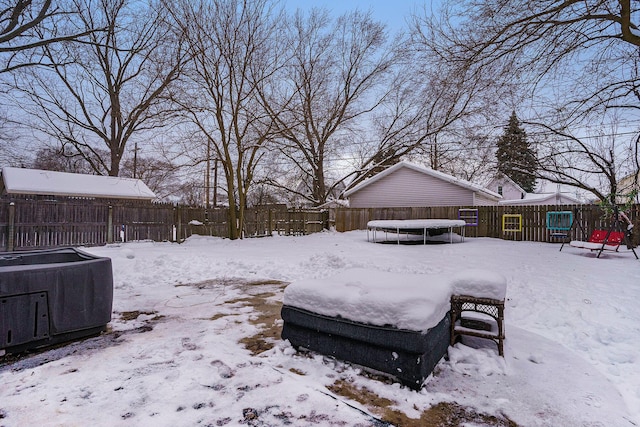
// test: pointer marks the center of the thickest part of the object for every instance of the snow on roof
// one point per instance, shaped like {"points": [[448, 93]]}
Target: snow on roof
{"points": [[41, 182], [336, 203], [543, 199], [427, 171]]}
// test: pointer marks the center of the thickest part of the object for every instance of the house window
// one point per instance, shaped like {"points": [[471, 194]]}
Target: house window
{"points": [[500, 190]]}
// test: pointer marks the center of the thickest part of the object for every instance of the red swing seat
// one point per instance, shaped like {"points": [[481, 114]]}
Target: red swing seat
{"points": [[598, 238]]}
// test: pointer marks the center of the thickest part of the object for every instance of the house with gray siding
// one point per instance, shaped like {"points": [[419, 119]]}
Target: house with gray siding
{"points": [[406, 184]]}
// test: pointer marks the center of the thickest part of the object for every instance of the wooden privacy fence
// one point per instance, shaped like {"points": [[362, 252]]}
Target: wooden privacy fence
{"points": [[40, 223], [490, 219], [258, 222]]}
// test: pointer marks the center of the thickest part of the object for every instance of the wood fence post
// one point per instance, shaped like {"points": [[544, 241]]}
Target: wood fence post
{"points": [[174, 235], [110, 225], [11, 234], [179, 225]]}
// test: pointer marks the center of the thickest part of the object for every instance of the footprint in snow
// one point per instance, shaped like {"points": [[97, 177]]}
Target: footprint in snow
{"points": [[188, 345], [223, 370]]}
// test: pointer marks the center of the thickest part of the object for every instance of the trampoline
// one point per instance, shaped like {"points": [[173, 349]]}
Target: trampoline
{"points": [[426, 228]]}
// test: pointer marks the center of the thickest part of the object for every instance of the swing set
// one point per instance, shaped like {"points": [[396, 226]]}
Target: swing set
{"points": [[600, 240]]}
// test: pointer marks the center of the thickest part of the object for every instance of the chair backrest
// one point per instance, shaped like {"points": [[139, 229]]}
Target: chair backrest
{"points": [[615, 238], [599, 236]]}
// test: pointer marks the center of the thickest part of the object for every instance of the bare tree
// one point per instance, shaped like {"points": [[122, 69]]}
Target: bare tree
{"points": [[26, 25], [431, 106], [188, 192], [592, 162], [334, 78], [535, 38], [231, 42], [97, 95], [465, 151], [7, 137], [56, 159], [575, 60], [160, 175]]}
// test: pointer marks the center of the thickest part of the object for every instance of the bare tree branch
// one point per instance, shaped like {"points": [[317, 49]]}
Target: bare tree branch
{"points": [[232, 44], [333, 79], [26, 25], [96, 96]]}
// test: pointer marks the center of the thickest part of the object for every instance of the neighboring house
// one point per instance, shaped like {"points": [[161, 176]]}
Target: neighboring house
{"points": [[513, 194], [19, 181], [506, 187], [629, 183], [531, 199], [409, 185]]}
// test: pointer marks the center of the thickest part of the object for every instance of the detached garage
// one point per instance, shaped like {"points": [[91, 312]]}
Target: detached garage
{"points": [[409, 185]]}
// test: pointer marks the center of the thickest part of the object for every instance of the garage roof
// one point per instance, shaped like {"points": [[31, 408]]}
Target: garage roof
{"points": [[40, 182]]}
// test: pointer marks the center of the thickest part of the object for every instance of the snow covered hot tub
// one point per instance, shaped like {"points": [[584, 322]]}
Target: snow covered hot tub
{"points": [[51, 296], [394, 323]]}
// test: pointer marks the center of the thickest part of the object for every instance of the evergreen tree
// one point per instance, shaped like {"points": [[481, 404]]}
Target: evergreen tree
{"points": [[516, 158]]}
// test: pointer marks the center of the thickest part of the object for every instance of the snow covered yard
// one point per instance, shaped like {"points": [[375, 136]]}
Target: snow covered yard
{"points": [[194, 341]]}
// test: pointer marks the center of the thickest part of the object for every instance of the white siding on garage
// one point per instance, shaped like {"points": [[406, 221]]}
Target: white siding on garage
{"points": [[406, 187], [481, 200]]}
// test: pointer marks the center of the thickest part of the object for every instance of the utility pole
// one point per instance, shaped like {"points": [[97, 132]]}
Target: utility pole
{"points": [[215, 182], [207, 185], [135, 160]]}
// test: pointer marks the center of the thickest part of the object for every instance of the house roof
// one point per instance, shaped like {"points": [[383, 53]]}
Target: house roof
{"points": [[427, 171], [542, 199], [630, 180], [41, 182], [500, 175], [631, 175], [336, 203]]}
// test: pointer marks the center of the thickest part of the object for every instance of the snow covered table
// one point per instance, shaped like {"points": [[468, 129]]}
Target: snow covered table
{"points": [[424, 227], [477, 306], [394, 323]]}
